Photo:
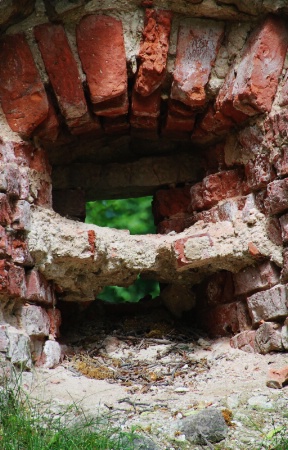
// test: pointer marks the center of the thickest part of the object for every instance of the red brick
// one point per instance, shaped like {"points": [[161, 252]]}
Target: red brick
{"points": [[21, 216], [55, 322], [22, 93], [113, 107], [49, 129], [179, 123], [268, 305], [280, 160], [220, 288], [224, 101], [113, 125], [215, 122], [257, 74], [16, 286], [5, 210], [176, 224], [149, 123], [170, 202], [101, 49], [256, 278], [44, 194], [148, 106], [277, 197], [277, 378], [244, 341], [268, 338], [216, 187], [153, 51], [57, 56], [224, 319], [19, 252], [10, 179], [38, 288], [274, 230], [4, 243], [197, 48], [259, 172]]}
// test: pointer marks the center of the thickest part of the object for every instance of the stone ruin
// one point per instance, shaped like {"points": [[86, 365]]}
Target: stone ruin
{"points": [[183, 100]]}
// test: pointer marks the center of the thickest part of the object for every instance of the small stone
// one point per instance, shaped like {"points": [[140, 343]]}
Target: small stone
{"points": [[51, 354], [206, 426], [260, 402]]}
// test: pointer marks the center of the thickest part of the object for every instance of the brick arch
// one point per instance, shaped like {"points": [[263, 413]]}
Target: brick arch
{"points": [[210, 147]]}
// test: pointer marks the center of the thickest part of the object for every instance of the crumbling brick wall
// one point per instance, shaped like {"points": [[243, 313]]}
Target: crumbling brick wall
{"points": [[135, 100]]}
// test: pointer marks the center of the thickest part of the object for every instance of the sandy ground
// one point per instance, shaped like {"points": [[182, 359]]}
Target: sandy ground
{"points": [[153, 382]]}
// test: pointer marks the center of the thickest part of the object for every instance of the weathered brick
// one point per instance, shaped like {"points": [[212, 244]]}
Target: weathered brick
{"points": [[148, 106], [224, 101], [5, 210], [177, 224], [55, 320], [35, 320], [277, 378], [274, 230], [224, 319], [21, 216], [268, 338], [259, 172], [255, 278], [280, 160], [113, 107], [57, 56], [220, 288], [244, 341], [39, 289], [22, 93], [44, 194], [268, 305], [19, 251], [49, 129], [197, 46], [215, 122], [10, 179], [257, 74], [16, 281], [147, 123], [101, 49], [277, 196], [170, 202], [178, 123], [4, 242], [153, 51], [216, 187], [284, 272]]}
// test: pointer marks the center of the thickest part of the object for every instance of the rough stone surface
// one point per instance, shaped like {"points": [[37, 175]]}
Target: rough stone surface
{"points": [[35, 320], [256, 278], [268, 338], [51, 355], [208, 425], [244, 341], [22, 93]]}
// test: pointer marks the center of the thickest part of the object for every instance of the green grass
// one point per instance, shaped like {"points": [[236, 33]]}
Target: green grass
{"points": [[31, 425], [276, 439]]}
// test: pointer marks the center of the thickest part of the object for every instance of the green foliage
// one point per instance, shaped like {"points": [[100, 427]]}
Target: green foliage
{"points": [[135, 215]]}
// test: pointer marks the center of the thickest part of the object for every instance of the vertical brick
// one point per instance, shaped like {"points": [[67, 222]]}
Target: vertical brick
{"points": [[153, 51], [39, 289], [197, 47], [257, 74], [22, 93], [101, 49]]}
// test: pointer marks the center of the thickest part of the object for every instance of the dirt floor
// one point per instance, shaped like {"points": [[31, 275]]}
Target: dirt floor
{"points": [[144, 368]]}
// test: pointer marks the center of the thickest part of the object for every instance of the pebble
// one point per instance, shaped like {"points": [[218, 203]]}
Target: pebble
{"points": [[260, 402]]}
